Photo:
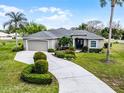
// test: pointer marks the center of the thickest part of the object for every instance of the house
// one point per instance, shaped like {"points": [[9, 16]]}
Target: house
{"points": [[44, 40], [5, 36], [13, 35]]}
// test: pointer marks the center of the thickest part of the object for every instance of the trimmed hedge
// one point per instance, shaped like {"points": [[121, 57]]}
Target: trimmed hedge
{"points": [[69, 52], [85, 49], [95, 50], [51, 50], [72, 48], [16, 49], [69, 56], [39, 56], [28, 76], [60, 54], [41, 66]]}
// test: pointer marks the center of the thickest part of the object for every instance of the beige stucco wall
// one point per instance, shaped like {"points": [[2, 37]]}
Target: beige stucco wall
{"points": [[54, 43], [85, 42], [24, 43]]}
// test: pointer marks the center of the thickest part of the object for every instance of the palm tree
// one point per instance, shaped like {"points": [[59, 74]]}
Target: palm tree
{"points": [[16, 21], [113, 4], [32, 27]]}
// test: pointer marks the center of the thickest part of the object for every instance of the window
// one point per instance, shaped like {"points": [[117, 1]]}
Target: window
{"points": [[93, 43]]}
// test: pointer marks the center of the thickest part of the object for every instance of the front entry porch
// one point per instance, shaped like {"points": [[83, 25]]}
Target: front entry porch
{"points": [[79, 43]]}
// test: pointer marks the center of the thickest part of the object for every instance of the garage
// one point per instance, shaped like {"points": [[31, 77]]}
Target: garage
{"points": [[37, 45]]}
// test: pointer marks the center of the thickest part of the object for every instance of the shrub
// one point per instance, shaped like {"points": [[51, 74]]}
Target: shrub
{"points": [[19, 44], [41, 66], [106, 45], [19, 48], [39, 56], [116, 42], [16, 49], [85, 49], [95, 50], [64, 48], [69, 52], [30, 77], [60, 54], [3, 43], [71, 48], [69, 56], [51, 50]]}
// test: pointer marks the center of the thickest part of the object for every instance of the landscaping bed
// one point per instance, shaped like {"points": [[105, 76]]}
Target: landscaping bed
{"points": [[37, 73]]}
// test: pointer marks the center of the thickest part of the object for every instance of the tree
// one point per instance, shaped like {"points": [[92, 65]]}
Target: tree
{"points": [[113, 4], [116, 33], [105, 32], [122, 35], [65, 42], [94, 26], [83, 26], [32, 27], [16, 21]]}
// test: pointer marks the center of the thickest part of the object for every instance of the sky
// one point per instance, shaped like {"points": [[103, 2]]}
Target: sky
{"points": [[60, 13]]}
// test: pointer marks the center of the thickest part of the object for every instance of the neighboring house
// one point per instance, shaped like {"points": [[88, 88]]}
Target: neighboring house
{"points": [[44, 40], [5, 36], [13, 35]]}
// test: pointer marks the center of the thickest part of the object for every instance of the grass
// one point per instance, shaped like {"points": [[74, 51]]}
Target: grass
{"points": [[112, 73], [10, 74]]}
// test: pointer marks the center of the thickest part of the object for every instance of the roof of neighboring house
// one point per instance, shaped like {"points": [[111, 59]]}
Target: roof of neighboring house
{"points": [[58, 33], [3, 34]]}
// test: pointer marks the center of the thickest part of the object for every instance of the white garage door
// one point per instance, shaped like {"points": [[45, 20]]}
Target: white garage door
{"points": [[36, 45]]}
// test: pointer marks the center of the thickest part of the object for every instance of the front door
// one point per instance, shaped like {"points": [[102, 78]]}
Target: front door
{"points": [[79, 43]]}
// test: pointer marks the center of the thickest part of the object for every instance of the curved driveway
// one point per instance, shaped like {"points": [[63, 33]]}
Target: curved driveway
{"points": [[71, 77]]}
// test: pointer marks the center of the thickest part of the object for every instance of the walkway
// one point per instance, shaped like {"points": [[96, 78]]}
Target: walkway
{"points": [[71, 77]]}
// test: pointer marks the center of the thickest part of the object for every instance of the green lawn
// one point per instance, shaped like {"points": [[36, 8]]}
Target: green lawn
{"points": [[113, 73], [10, 74]]}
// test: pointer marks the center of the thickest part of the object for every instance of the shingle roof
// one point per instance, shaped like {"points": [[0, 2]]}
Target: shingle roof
{"points": [[58, 33]]}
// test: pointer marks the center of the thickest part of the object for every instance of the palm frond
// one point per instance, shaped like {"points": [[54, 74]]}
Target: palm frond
{"points": [[103, 3], [119, 2], [7, 23], [11, 15]]}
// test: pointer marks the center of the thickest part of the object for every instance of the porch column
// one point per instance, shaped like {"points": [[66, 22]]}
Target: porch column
{"points": [[26, 43], [88, 45], [73, 42]]}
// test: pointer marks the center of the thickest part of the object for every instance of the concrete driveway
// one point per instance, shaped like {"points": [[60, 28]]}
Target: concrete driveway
{"points": [[71, 77]]}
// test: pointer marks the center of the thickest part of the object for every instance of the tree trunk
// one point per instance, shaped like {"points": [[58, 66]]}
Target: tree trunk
{"points": [[16, 35], [110, 35]]}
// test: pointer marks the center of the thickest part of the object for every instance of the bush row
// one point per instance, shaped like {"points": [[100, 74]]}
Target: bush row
{"points": [[68, 54], [91, 50], [51, 50], [95, 50]]}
